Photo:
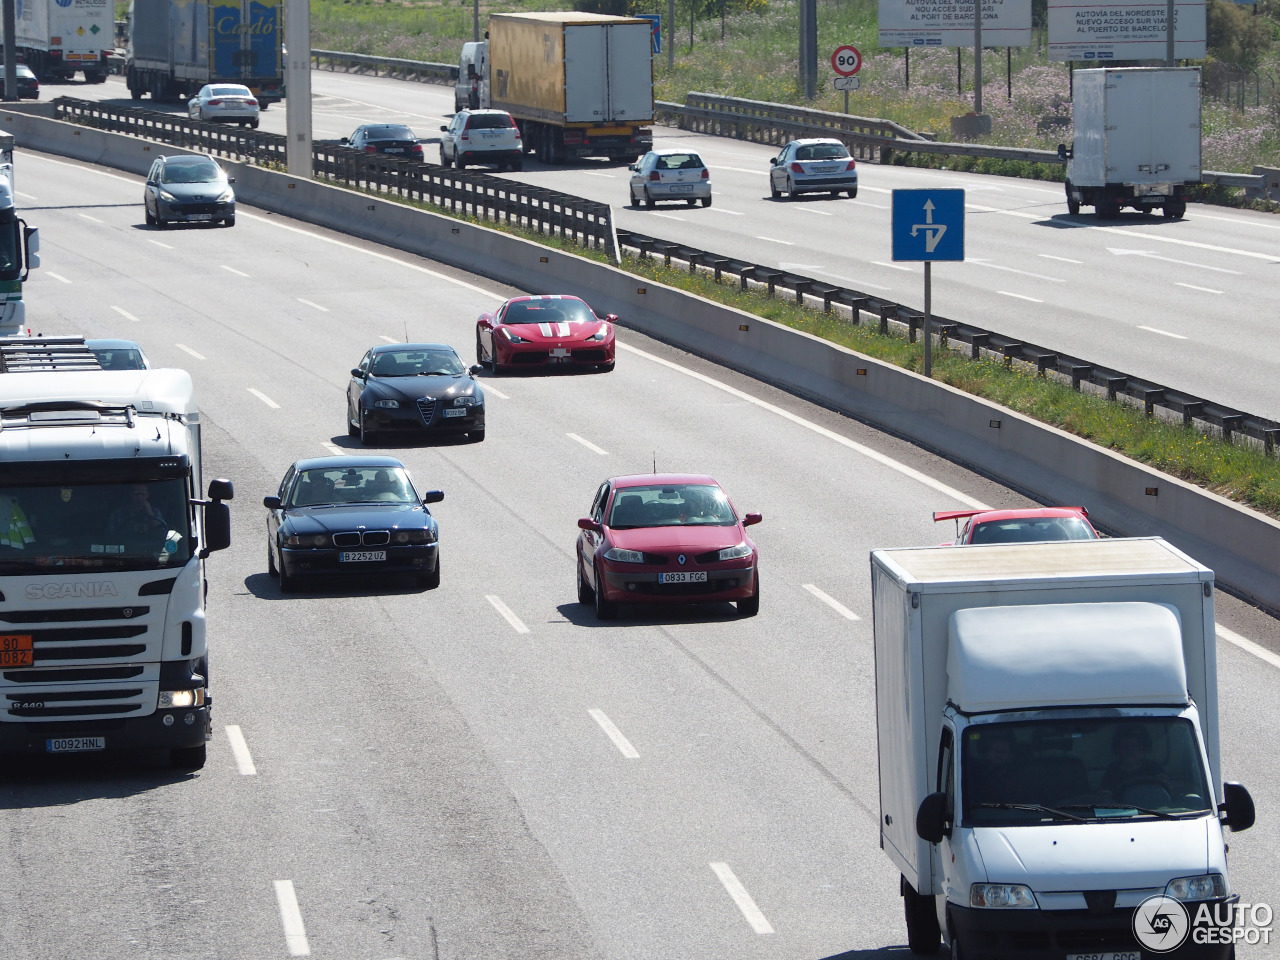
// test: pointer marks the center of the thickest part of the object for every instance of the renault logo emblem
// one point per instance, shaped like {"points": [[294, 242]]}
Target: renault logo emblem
{"points": [[680, 559]]}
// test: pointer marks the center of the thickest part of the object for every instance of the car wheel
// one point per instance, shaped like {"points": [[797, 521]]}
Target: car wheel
{"points": [[161, 222], [853, 194], [751, 606], [150, 219], [353, 426], [444, 159], [229, 221], [476, 436], [457, 162], [706, 201], [431, 580], [835, 194], [774, 192], [479, 349], [648, 200], [518, 166], [692, 202], [288, 582], [187, 758], [605, 609], [271, 562], [607, 367], [366, 432], [586, 596], [253, 124], [791, 189]]}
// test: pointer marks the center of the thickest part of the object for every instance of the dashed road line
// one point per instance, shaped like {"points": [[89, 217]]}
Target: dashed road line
{"points": [[295, 934], [1192, 286], [1006, 293], [832, 602], [240, 750], [89, 218], [126, 314], [264, 398], [743, 899], [315, 305], [893, 266], [1050, 256], [333, 448], [785, 243], [507, 613], [159, 244], [588, 444], [1163, 333], [185, 349], [238, 273], [622, 743], [56, 276]]}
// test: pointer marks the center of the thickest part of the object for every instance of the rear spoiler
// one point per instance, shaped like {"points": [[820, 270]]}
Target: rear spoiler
{"points": [[939, 515]]}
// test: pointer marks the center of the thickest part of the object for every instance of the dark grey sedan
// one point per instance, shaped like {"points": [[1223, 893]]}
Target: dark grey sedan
{"points": [[188, 189], [408, 388]]}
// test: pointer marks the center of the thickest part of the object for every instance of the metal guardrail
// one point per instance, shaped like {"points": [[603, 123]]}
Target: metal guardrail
{"points": [[587, 222], [1175, 403], [386, 66]]}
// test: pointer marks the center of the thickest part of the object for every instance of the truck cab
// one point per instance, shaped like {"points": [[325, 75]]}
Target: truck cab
{"points": [[471, 91]]}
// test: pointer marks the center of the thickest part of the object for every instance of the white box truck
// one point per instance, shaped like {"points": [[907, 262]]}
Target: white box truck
{"points": [[103, 541], [1135, 139], [57, 38], [1047, 730]]}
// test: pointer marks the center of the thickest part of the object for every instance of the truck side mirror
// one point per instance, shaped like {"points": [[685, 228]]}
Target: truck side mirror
{"points": [[1063, 153], [1237, 804], [217, 527], [931, 818], [471, 71], [222, 490]]}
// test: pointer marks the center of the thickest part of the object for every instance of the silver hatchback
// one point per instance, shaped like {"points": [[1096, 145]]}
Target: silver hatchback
{"points": [[813, 166], [670, 175]]}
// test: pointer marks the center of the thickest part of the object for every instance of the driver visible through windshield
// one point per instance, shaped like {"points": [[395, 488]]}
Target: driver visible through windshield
{"points": [[412, 363], [673, 505]]}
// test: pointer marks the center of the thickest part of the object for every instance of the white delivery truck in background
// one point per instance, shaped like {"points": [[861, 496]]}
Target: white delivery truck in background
{"points": [[1135, 139], [19, 248], [1047, 731], [103, 540], [57, 38]]}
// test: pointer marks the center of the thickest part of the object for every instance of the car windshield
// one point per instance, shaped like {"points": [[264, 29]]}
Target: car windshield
{"points": [[489, 121], [104, 526], [365, 484], [119, 358], [204, 172], [671, 505], [679, 161], [411, 363], [549, 311], [390, 131], [1093, 768], [821, 151], [1032, 530]]}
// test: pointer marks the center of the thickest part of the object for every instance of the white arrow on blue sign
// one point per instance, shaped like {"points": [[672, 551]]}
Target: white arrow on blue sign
{"points": [[928, 225]]}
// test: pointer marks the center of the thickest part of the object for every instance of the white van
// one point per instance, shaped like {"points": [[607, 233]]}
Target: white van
{"points": [[472, 88]]}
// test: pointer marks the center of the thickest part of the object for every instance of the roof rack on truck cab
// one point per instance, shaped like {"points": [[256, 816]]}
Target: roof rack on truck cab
{"points": [[35, 354]]}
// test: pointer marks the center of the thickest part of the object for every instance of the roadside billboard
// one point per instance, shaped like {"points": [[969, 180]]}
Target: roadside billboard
{"points": [[1105, 30], [949, 23]]}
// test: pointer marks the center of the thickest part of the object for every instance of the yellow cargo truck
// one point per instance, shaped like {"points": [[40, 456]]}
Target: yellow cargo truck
{"points": [[577, 84]]}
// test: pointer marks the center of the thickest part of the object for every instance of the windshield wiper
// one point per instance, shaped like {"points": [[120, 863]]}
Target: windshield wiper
{"points": [[1034, 808], [1109, 805], [437, 373]]}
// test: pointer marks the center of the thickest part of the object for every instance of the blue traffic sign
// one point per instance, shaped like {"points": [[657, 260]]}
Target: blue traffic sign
{"points": [[928, 225]]}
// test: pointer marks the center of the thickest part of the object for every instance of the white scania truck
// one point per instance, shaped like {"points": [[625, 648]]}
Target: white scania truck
{"points": [[1047, 732], [103, 540]]}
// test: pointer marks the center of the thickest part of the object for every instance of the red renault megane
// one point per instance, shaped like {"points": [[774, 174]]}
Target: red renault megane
{"points": [[666, 538], [546, 331]]}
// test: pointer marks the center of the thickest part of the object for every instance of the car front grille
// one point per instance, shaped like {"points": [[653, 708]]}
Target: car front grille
{"points": [[427, 407], [366, 538]]}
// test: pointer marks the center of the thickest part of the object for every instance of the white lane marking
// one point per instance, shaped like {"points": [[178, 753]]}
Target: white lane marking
{"points": [[394, 340], [1008, 213], [1232, 220], [50, 273], [315, 305], [167, 247], [233, 270], [610, 176], [1163, 333], [718, 168], [295, 935], [785, 243], [896, 266], [832, 602], [507, 613], [1270, 258], [488, 388], [588, 444], [1192, 286], [27, 196], [863, 186], [667, 216], [264, 398], [333, 448], [129, 316], [240, 750], [828, 213], [185, 349], [1120, 252], [739, 213], [1034, 276], [1050, 256], [867, 452], [853, 282], [614, 734], [882, 206], [89, 218], [1261, 652], [1006, 293], [743, 899]]}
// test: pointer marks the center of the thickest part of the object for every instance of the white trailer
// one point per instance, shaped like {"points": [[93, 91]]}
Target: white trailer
{"points": [[1063, 653], [103, 540], [1135, 141], [58, 38]]}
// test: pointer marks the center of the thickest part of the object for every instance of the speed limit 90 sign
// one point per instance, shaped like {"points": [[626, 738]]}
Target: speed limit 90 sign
{"points": [[846, 61]]}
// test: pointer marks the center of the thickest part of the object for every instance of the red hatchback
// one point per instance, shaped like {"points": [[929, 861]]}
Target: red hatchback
{"points": [[546, 331], [1032, 525], [666, 538]]}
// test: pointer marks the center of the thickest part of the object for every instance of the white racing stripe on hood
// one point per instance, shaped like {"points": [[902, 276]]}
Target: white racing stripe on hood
{"points": [[545, 329], [564, 329]]}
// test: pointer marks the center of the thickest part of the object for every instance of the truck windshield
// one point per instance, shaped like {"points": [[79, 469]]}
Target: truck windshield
{"points": [[107, 526], [10, 249], [1059, 770]]}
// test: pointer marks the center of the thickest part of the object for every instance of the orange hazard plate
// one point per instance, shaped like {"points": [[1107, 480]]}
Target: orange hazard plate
{"points": [[15, 650]]}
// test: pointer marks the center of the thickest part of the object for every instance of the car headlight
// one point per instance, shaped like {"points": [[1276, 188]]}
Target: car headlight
{"points": [[1002, 896], [512, 337], [227, 196], [601, 334], [181, 698], [735, 553], [167, 196], [307, 540], [414, 536], [624, 556], [465, 401], [387, 404], [1209, 886]]}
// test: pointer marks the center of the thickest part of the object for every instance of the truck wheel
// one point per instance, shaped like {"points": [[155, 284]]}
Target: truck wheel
{"points": [[1108, 209], [1175, 209], [187, 758], [923, 935], [1073, 204]]}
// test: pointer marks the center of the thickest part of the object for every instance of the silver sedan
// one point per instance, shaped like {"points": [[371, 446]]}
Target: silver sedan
{"points": [[224, 103], [813, 166], [670, 175]]}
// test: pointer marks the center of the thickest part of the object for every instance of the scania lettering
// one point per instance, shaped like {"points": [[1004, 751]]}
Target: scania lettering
{"points": [[104, 538]]}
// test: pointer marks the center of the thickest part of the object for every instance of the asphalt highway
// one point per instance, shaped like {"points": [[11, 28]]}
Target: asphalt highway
{"points": [[484, 770]]}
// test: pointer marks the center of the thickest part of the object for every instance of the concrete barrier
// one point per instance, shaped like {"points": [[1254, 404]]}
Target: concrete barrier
{"points": [[1123, 496]]}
